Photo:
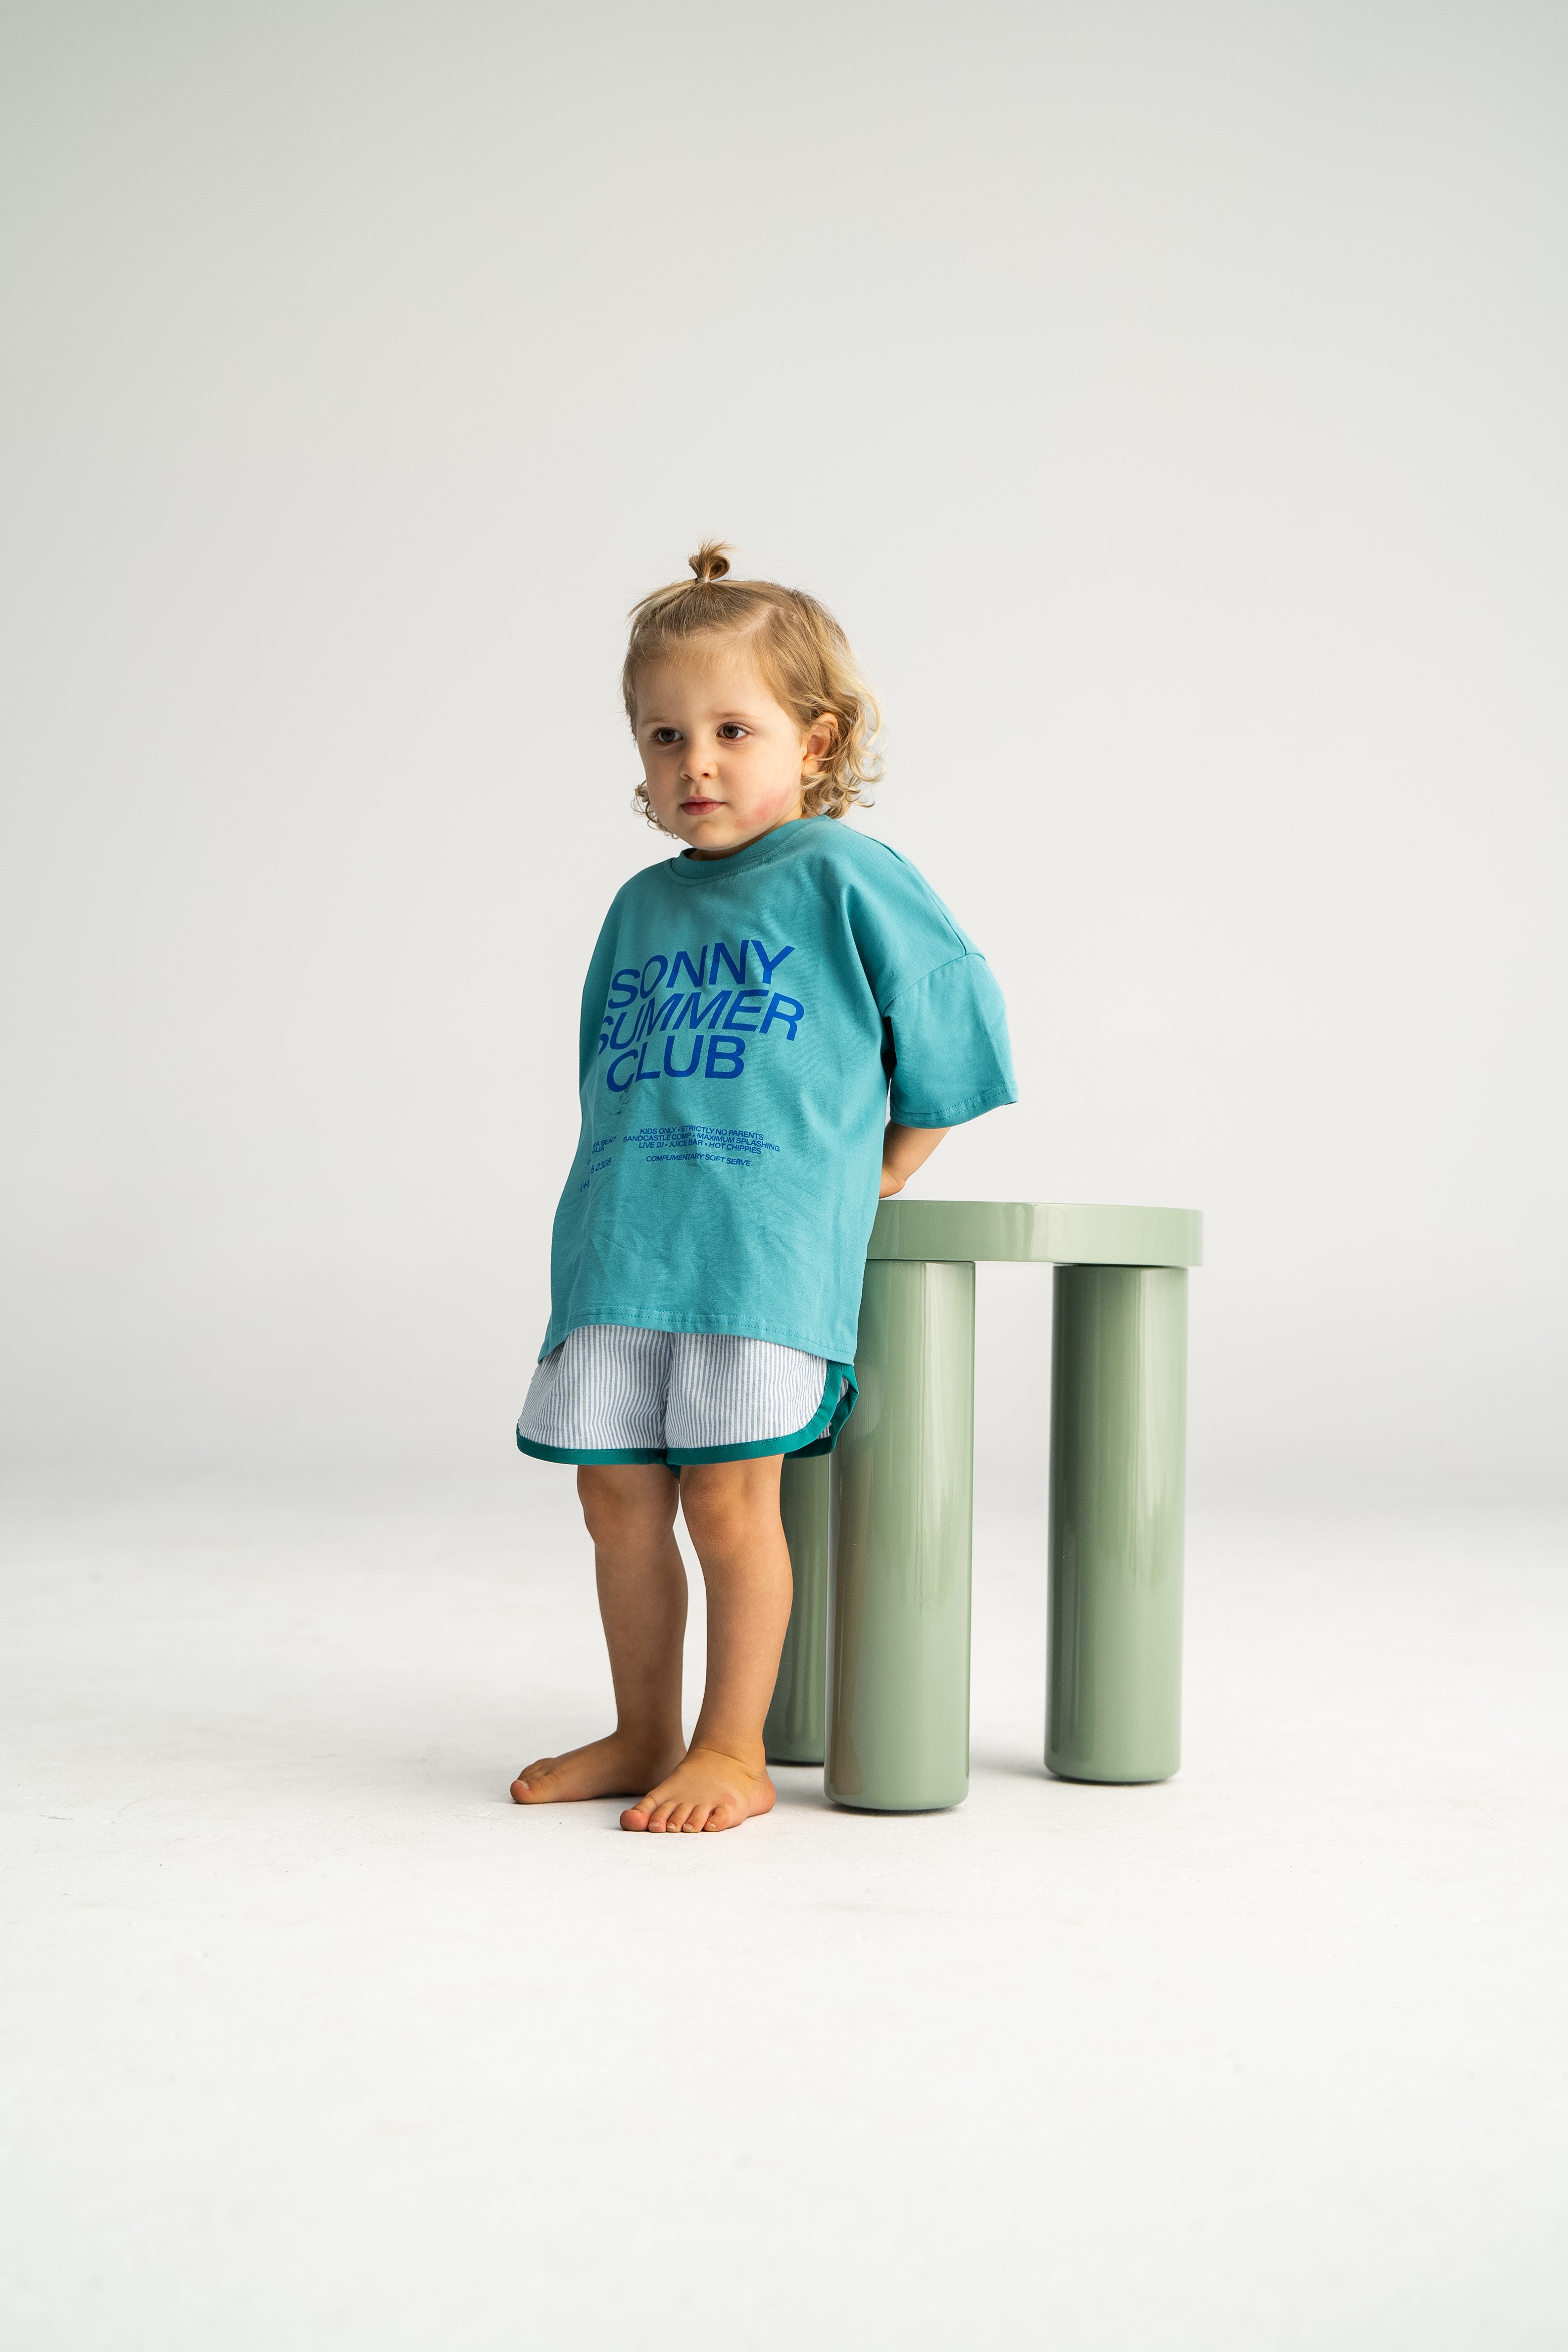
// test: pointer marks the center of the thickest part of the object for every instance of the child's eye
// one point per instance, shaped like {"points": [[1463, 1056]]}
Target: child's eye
{"points": [[667, 734], [733, 730]]}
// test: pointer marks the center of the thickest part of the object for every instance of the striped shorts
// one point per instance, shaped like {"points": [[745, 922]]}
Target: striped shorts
{"points": [[613, 1394]]}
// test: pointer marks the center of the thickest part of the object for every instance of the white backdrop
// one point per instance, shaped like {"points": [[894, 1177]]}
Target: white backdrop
{"points": [[1168, 398]]}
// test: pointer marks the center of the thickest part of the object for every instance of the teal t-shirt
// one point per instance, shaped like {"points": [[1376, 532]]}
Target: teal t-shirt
{"points": [[743, 1019]]}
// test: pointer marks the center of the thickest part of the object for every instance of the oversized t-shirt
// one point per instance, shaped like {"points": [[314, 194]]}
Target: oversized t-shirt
{"points": [[742, 1020]]}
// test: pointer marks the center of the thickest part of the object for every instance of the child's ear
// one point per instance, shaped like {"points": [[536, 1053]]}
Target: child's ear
{"points": [[819, 742]]}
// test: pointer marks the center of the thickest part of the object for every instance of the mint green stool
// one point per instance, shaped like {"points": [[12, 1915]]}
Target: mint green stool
{"points": [[874, 1679]]}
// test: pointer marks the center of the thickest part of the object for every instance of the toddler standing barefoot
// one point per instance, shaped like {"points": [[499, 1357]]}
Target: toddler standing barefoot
{"points": [[748, 1005]]}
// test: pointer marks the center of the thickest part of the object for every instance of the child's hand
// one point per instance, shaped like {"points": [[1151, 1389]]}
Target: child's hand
{"points": [[905, 1149]]}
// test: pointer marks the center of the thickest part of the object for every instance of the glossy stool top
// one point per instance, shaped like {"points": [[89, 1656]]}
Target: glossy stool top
{"points": [[1042, 1232]]}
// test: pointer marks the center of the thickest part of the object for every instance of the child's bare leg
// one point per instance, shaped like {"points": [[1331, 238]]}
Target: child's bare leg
{"points": [[733, 1514], [629, 1508]]}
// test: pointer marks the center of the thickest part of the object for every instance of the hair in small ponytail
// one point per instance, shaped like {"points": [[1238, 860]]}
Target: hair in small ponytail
{"points": [[801, 651]]}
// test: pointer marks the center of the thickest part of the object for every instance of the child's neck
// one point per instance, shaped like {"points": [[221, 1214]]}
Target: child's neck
{"points": [[735, 847]]}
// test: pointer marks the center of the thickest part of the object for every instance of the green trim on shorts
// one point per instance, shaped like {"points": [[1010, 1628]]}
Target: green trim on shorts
{"points": [[653, 1453], [820, 1434], [827, 1440]]}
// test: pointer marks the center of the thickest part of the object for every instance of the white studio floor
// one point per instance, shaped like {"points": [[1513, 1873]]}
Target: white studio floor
{"points": [[318, 2042]]}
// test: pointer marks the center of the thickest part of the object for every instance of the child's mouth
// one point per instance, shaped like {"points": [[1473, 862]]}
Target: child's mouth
{"points": [[699, 808]]}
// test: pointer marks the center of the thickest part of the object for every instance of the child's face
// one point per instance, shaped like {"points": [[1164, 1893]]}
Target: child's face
{"points": [[724, 762]]}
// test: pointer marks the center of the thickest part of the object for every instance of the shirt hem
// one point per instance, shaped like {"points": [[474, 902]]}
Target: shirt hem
{"points": [[680, 1319]]}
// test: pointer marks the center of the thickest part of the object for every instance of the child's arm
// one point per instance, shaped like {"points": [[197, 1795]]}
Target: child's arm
{"points": [[905, 1149]]}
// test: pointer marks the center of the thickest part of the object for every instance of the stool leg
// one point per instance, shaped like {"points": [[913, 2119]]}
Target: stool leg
{"points": [[807, 1504], [1118, 1415], [897, 1705]]}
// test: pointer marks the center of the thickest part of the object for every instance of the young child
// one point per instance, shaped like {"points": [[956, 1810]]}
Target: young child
{"points": [[749, 1004]]}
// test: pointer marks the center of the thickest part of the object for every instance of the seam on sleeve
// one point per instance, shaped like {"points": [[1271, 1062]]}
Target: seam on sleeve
{"points": [[965, 955]]}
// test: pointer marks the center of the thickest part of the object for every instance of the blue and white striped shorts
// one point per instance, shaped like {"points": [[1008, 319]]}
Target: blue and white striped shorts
{"points": [[613, 1394]]}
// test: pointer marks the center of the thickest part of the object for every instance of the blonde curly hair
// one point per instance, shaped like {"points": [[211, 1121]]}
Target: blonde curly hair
{"points": [[801, 651]]}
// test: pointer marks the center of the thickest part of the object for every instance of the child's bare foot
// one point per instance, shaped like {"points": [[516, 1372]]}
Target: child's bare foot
{"points": [[706, 1791], [606, 1768]]}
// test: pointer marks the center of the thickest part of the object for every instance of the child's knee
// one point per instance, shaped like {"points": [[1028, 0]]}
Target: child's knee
{"points": [[725, 1502], [625, 1502]]}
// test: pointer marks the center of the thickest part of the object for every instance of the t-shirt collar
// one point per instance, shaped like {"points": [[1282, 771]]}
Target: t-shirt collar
{"points": [[781, 842]]}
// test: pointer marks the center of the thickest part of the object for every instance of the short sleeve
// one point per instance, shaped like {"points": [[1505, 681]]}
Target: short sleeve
{"points": [[951, 1055]]}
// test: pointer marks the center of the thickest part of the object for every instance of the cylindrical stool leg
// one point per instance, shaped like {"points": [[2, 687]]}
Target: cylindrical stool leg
{"points": [[898, 1704], [1119, 1425], [794, 1731]]}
